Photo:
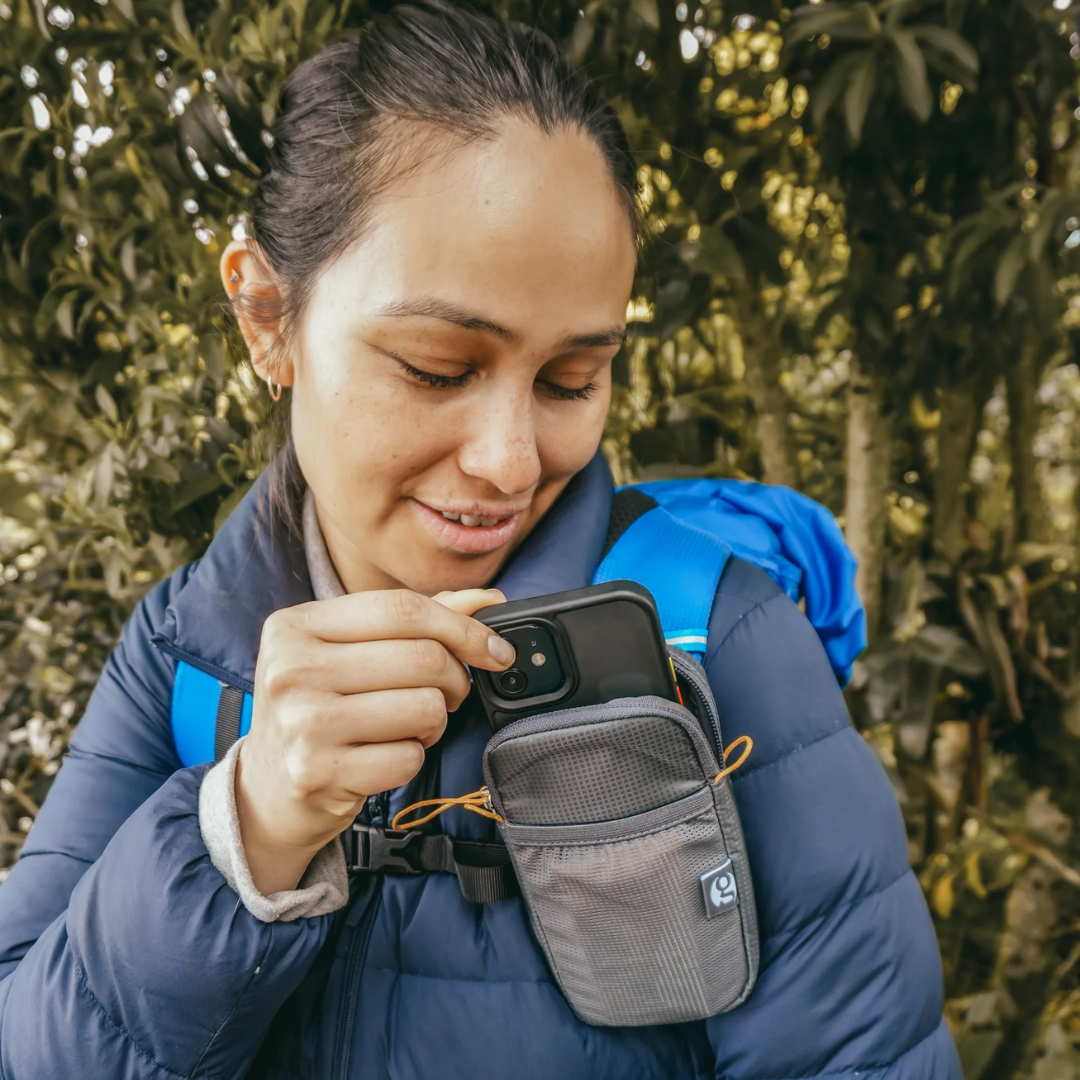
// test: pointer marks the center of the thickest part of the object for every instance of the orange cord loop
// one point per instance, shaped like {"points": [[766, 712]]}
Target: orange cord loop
{"points": [[748, 745], [479, 802]]}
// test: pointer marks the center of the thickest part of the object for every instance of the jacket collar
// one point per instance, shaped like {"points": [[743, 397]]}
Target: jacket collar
{"points": [[254, 567]]}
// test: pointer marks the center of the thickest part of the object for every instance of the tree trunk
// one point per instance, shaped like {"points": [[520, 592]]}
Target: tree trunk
{"points": [[761, 352], [961, 408], [869, 457], [1021, 382]]}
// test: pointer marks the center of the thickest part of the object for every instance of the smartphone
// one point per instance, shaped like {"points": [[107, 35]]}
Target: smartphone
{"points": [[581, 647]]}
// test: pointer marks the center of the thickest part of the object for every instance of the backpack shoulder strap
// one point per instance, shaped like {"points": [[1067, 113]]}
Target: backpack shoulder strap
{"points": [[678, 563], [208, 716]]}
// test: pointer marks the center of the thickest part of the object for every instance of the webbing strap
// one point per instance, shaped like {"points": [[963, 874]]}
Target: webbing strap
{"points": [[484, 871], [227, 726], [679, 564]]}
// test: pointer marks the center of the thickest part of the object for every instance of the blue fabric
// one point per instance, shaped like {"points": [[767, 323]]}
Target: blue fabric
{"points": [[679, 564], [123, 952], [793, 538], [195, 700]]}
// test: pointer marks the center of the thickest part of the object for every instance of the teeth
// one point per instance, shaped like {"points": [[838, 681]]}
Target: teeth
{"points": [[468, 519]]}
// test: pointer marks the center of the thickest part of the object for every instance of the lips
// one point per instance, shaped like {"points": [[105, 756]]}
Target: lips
{"points": [[469, 534]]}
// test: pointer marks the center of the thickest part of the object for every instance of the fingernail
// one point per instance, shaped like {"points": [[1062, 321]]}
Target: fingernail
{"points": [[501, 649]]}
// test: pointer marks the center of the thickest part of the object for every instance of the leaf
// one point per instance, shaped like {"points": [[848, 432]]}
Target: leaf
{"points": [[973, 875], [1010, 265], [911, 73], [832, 84], [65, 318], [828, 18], [714, 253], [195, 489], [943, 896], [1029, 551], [859, 92], [950, 43], [127, 259], [976, 1049], [943, 645], [180, 22], [980, 614], [103, 478], [106, 403], [15, 501], [972, 242], [886, 674], [954, 13], [646, 12]]}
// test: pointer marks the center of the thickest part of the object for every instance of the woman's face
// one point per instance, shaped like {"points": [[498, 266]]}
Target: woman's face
{"points": [[452, 372]]}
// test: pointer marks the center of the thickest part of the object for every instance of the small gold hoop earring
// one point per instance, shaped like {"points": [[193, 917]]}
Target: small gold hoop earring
{"points": [[270, 386]]}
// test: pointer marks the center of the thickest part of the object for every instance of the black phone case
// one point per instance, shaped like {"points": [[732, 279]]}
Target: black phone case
{"points": [[609, 641]]}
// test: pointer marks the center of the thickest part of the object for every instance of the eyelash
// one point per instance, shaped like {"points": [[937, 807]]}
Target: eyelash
{"points": [[455, 382], [440, 382]]}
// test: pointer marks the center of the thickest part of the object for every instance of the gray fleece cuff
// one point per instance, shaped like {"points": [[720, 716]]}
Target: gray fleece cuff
{"points": [[324, 886]]}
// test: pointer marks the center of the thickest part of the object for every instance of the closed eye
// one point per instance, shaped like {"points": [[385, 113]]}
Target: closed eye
{"points": [[429, 378], [569, 393], [455, 382]]}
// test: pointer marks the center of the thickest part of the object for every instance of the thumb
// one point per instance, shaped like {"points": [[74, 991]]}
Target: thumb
{"points": [[469, 601]]}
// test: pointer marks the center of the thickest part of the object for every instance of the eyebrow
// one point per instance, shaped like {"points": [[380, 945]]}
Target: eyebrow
{"points": [[430, 307]]}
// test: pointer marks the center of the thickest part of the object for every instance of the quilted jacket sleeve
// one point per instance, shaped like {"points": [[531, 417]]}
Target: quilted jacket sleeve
{"points": [[123, 952], [850, 982]]}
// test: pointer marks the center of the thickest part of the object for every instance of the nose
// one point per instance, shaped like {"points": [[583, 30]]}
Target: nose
{"points": [[500, 444]]}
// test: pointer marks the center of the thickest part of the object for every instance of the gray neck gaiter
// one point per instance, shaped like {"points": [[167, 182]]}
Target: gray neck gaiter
{"points": [[324, 578]]}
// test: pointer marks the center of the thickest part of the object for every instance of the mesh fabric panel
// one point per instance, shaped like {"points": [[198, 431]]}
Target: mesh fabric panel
{"points": [[624, 925], [617, 768]]}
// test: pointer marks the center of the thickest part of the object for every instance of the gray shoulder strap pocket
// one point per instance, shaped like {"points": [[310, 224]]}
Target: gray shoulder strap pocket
{"points": [[630, 857]]}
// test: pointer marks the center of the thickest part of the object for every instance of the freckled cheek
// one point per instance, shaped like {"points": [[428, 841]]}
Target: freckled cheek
{"points": [[567, 437], [371, 425]]}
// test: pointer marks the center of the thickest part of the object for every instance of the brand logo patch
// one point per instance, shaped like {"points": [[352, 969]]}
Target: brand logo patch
{"points": [[719, 889]]}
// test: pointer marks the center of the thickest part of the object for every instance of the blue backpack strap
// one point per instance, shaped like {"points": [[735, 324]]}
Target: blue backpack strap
{"points": [[208, 716], [678, 563], [792, 538]]}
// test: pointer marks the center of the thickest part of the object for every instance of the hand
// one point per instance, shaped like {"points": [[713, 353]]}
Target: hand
{"points": [[349, 693]]}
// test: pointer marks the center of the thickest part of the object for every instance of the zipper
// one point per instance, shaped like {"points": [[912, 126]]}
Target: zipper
{"points": [[163, 644], [690, 670], [621, 708], [360, 921]]}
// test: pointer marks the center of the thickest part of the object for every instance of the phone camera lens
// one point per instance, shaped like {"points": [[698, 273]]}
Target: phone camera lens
{"points": [[512, 682]]}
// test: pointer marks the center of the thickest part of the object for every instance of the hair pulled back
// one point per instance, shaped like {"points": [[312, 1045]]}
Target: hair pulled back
{"points": [[349, 119]]}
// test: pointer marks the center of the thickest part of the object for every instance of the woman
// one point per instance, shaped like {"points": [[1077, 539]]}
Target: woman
{"points": [[439, 269]]}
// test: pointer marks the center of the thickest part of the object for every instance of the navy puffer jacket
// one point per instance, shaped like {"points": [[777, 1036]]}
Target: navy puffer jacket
{"points": [[124, 953]]}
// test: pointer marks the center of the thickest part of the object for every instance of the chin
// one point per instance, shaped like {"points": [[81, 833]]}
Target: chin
{"points": [[455, 577]]}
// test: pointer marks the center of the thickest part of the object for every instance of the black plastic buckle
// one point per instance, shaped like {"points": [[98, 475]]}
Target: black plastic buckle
{"points": [[392, 850]]}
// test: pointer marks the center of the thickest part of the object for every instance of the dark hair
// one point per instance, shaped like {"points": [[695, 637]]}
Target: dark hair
{"points": [[348, 126]]}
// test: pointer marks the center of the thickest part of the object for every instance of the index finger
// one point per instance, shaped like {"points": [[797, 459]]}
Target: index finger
{"points": [[400, 613]]}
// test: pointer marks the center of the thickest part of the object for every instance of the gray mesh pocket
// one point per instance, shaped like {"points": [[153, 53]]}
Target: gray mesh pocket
{"points": [[637, 887]]}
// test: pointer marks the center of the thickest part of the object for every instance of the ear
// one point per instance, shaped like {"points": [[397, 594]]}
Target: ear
{"points": [[255, 294]]}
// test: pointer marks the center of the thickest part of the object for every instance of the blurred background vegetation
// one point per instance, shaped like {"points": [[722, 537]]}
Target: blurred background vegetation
{"points": [[864, 282]]}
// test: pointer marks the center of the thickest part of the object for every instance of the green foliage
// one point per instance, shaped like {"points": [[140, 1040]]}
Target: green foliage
{"points": [[888, 188]]}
